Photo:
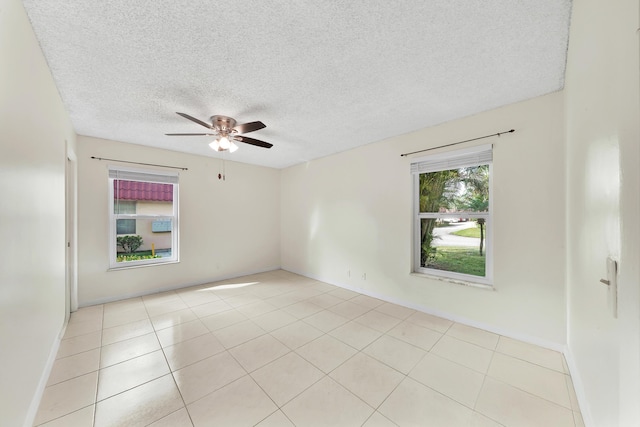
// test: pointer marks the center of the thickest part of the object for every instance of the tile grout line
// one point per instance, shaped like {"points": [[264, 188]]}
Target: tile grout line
{"points": [[304, 320], [484, 380], [95, 399], [324, 374], [531, 394], [553, 371], [155, 333]]}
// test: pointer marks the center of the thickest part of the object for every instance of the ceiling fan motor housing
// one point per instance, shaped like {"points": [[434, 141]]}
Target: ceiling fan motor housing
{"points": [[223, 123]]}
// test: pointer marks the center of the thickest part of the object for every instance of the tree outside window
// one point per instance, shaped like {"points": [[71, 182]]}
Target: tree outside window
{"points": [[452, 219]]}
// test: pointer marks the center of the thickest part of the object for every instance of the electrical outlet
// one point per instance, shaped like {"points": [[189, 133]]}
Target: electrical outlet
{"points": [[364, 276]]}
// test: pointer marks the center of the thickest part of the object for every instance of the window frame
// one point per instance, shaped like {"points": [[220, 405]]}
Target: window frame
{"points": [[142, 175], [442, 162]]}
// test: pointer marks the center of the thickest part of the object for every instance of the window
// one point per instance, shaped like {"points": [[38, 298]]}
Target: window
{"points": [[143, 214], [125, 226], [452, 215]]}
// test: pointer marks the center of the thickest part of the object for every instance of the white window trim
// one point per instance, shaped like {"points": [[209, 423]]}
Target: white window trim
{"points": [[474, 156], [115, 172]]}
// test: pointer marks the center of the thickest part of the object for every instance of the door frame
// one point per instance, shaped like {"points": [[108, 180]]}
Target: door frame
{"points": [[71, 231]]}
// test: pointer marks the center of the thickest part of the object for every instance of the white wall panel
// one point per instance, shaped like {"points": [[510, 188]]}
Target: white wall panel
{"points": [[349, 215], [33, 129], [227, 228], [603, 154]]}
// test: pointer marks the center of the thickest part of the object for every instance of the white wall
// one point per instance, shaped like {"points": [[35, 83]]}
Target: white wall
{"points": [[352, 212], [227, 228], [33, 130], [603, 143]]}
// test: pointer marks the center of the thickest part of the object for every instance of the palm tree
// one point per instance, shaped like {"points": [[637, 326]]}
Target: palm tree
{"points": [[463, 188], [476, 196], [436, 191]]}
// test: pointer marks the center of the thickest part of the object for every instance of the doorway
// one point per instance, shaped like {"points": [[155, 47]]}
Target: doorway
{"points": [[71, 214]]}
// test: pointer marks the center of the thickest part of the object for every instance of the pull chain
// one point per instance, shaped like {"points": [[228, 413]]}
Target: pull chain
{"points": [[222, 175]]}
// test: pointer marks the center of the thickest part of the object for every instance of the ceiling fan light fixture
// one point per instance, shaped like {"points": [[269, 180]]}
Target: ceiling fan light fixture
{"points": [[224, 143]]}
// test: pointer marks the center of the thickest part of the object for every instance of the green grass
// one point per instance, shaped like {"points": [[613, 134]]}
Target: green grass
{"points": [[136, 256], [469, 232], [459, 260]]}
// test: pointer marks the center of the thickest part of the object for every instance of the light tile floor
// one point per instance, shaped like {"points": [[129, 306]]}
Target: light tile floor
{"points": [[278, 349]]}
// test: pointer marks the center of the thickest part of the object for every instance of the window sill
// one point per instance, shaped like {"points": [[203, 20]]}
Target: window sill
{"points": [[129, 267], [455, 281]]}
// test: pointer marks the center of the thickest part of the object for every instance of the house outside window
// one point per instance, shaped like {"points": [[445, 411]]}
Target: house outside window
{"points": [[125, 226], [143, 207], [452, 215]]}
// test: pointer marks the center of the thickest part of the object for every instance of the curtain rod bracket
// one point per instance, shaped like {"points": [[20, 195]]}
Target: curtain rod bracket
{"points": [[456, 143]]}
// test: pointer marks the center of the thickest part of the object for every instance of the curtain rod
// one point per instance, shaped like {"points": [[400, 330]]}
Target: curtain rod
{"points": [[456, 143], [139, 163]]}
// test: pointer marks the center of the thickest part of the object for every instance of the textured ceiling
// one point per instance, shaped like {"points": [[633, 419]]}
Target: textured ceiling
{"points": [[323, 76]]}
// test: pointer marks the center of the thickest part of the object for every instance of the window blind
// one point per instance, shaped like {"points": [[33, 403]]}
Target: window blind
{"points": [[133, 175], [474, 156]]}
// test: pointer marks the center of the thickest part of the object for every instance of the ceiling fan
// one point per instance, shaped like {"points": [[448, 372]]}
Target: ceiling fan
{"points": [[226, 132]]}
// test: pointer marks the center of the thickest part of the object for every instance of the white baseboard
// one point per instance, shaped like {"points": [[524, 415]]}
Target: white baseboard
{"points": [[106, 300], [552, 345], [578, 385], [44, 378]]}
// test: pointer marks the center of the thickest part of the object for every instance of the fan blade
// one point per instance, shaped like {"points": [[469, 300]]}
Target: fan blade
{"points": [[190, 134], [249, 127], [252, 141], [193, 119]]}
